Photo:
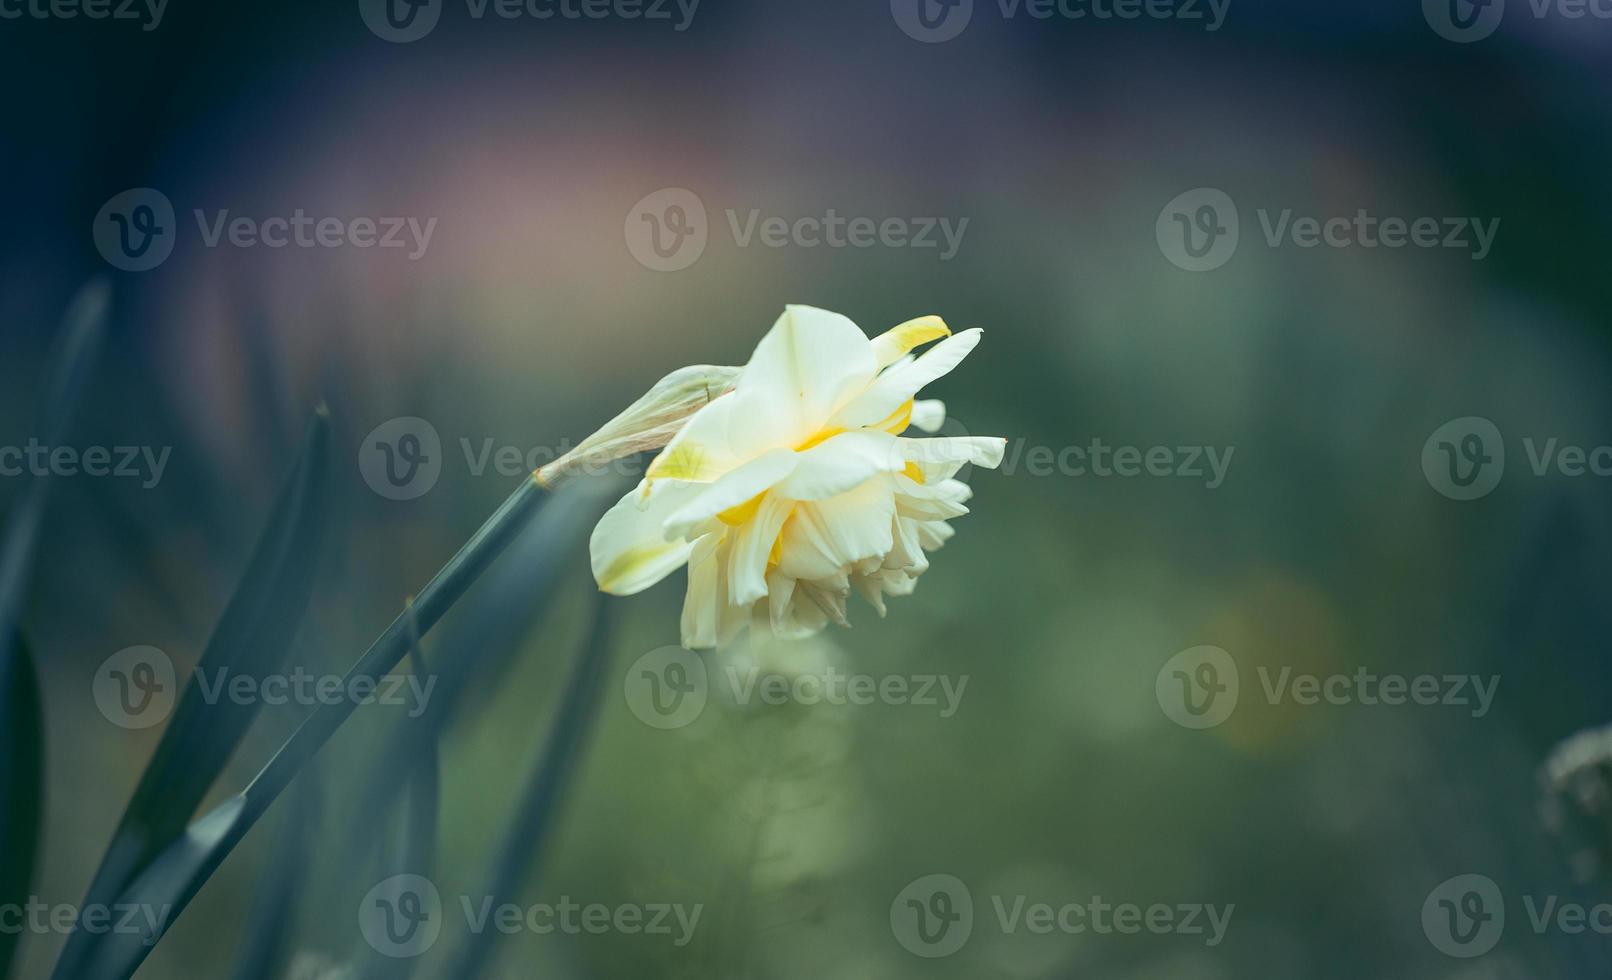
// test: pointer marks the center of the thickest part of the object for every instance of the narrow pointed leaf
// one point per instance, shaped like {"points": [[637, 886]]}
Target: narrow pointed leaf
{"points": [[21, 724], [172, 878], [252, 638], [83, 328]]}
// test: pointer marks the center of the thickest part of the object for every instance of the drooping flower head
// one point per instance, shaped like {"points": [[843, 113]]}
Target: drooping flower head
{"points": [[798, 486]]}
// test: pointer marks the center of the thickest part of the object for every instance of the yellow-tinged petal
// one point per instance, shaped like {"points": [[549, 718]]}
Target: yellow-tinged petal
{"points": [[628, 549], [890, 346], [703, 449], [897, 421]]}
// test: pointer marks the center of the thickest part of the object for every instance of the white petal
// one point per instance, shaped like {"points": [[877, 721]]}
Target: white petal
{"points": [[979, 450], [868, 587], [628, 551], [840, 464], [731, 490], [700, 604], [928, 508], [933, 534], [894, 387], [823, 537], [906, 553], [808, 365], [929, 414], [931, 501], [803, 618], [830, 601], [780, 589]]}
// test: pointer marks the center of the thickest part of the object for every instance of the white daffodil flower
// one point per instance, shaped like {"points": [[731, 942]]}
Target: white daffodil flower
{"points": [[797, 486]]}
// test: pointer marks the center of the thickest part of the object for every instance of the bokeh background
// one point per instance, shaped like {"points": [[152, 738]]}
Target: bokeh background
{"points": [[528, 321]]}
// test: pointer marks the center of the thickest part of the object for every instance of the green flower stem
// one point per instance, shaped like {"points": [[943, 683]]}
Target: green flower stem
{"points": [[433, 602]]}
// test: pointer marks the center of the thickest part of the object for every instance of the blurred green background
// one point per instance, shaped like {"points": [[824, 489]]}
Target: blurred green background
{"points": [[529, 321]]}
